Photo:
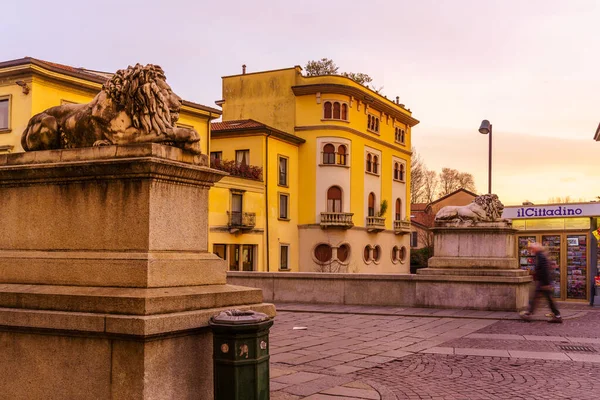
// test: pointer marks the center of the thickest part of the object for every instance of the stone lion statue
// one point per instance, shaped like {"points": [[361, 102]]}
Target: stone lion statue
{"points": [[136, 105], [485, 208]]}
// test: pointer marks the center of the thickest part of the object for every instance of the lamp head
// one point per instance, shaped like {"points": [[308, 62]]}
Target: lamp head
{"points": [[485, 127]]}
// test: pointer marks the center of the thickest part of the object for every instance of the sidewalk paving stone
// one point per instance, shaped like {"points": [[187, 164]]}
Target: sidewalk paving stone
{"points": [[298, 377], [438, 350], [481, 352], [594, 358], [426, 353], [538, 355], [353, 393]]}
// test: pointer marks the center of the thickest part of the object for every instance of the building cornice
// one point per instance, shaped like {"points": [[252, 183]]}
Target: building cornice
{"points": [[355, 132], [257, 131], [391, 109], [78, 79]]}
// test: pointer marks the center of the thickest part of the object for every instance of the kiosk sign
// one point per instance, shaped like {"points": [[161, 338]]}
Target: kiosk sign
{"points": [[553, 210]]}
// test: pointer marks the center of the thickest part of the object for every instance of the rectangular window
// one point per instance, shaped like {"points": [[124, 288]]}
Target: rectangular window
{"points": [[242, 157], [283, 206], [284, 257], [220, 250], [283, 171], [236, 209], [4, 113], [414, 239], [248, 257], [216, 155], [234, 257]]}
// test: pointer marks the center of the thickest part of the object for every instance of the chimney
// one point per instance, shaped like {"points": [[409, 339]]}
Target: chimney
{"points": [[397, 99], [244, 69]]}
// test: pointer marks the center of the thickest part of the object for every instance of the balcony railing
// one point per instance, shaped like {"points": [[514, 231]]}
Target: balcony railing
{"points": [[241, 220], [401, 227], [375, 224], [336, 220]]}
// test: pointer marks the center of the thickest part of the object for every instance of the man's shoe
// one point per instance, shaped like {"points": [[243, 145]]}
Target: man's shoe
{"points": [[556, 320], [525, 315]]}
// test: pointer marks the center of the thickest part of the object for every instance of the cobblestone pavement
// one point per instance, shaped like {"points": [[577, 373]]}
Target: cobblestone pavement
{"points": [[375, 353]]}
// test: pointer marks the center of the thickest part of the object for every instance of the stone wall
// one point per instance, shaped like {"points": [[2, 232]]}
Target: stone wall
{"points": [[465, 292]]}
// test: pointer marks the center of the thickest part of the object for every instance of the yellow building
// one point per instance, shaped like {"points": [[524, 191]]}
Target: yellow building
{"points": [[354, 162], [253, 214], [29, 86]]}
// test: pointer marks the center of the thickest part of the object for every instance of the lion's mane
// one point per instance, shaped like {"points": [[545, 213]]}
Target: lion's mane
{"points": [[135, 90]]}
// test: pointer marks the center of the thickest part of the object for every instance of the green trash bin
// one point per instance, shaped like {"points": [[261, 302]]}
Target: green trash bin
{"points": [[241, 355]]}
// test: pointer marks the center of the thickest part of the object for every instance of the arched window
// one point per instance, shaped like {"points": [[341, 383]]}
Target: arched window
{"points": [[327, 110], [343, 252], [371, 204], [402, 136], [369, 158], [367, 253], [402, 172], [336, 110], [398, 210], [329, 154], [376, 125], [375, 164], [323, 253], [403, 254], [334, 199], [345, 112], [376, 253], [396, 171], [342, 154], [369, 119]]}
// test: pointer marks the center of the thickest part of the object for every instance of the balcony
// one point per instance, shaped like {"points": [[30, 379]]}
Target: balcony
{"points": [[375, 224], [240, 221], [401, 227], [336, 220]]}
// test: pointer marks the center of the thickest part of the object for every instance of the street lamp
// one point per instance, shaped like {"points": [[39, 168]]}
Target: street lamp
{"points": [[486, 128]]}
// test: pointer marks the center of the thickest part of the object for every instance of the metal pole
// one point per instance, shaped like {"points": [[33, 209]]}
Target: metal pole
{"points": [[490, 164]]}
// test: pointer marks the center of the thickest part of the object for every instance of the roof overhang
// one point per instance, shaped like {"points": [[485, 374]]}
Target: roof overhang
{"points": [[358, 94], [597, 135]]}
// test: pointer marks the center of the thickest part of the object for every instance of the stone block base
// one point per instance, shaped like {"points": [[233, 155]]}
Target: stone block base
{"points": [[482, 289]]}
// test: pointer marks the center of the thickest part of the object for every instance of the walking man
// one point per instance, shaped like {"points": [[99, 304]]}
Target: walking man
{"points": [[543, 284]]}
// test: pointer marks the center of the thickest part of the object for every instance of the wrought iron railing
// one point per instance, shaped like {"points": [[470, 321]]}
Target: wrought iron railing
{"points": [[243, 220]]}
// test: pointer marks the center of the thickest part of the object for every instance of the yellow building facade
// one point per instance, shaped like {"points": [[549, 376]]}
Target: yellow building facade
{"points": [[29, 86], [353, 163], [254, 212]]}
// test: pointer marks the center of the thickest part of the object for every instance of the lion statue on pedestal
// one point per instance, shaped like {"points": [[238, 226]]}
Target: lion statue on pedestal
{"points": [[485, 208], [136, 105]]}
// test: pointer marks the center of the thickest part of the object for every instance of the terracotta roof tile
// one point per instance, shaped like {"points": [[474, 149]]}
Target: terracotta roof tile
{"points": [[418, 206], [236, 124], [423, 218]]}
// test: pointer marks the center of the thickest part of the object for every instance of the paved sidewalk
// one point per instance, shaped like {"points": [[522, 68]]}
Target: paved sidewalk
{"points": [[349, 352]]}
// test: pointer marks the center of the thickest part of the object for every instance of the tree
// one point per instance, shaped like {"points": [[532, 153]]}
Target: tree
{"points": [[452, 180], [417, 178], [431, 184], [566, 199], [358, 77], [324, 66]]}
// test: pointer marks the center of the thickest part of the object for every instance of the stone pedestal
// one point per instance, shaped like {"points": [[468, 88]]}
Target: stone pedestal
{"points": [[106, 282], [474, 266]]}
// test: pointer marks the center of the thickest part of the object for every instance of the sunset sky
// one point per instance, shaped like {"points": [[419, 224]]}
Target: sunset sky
{"points": [[530, 67]]}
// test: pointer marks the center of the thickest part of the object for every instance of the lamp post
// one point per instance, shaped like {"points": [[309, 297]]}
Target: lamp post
{"points": [[486, 128]]}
